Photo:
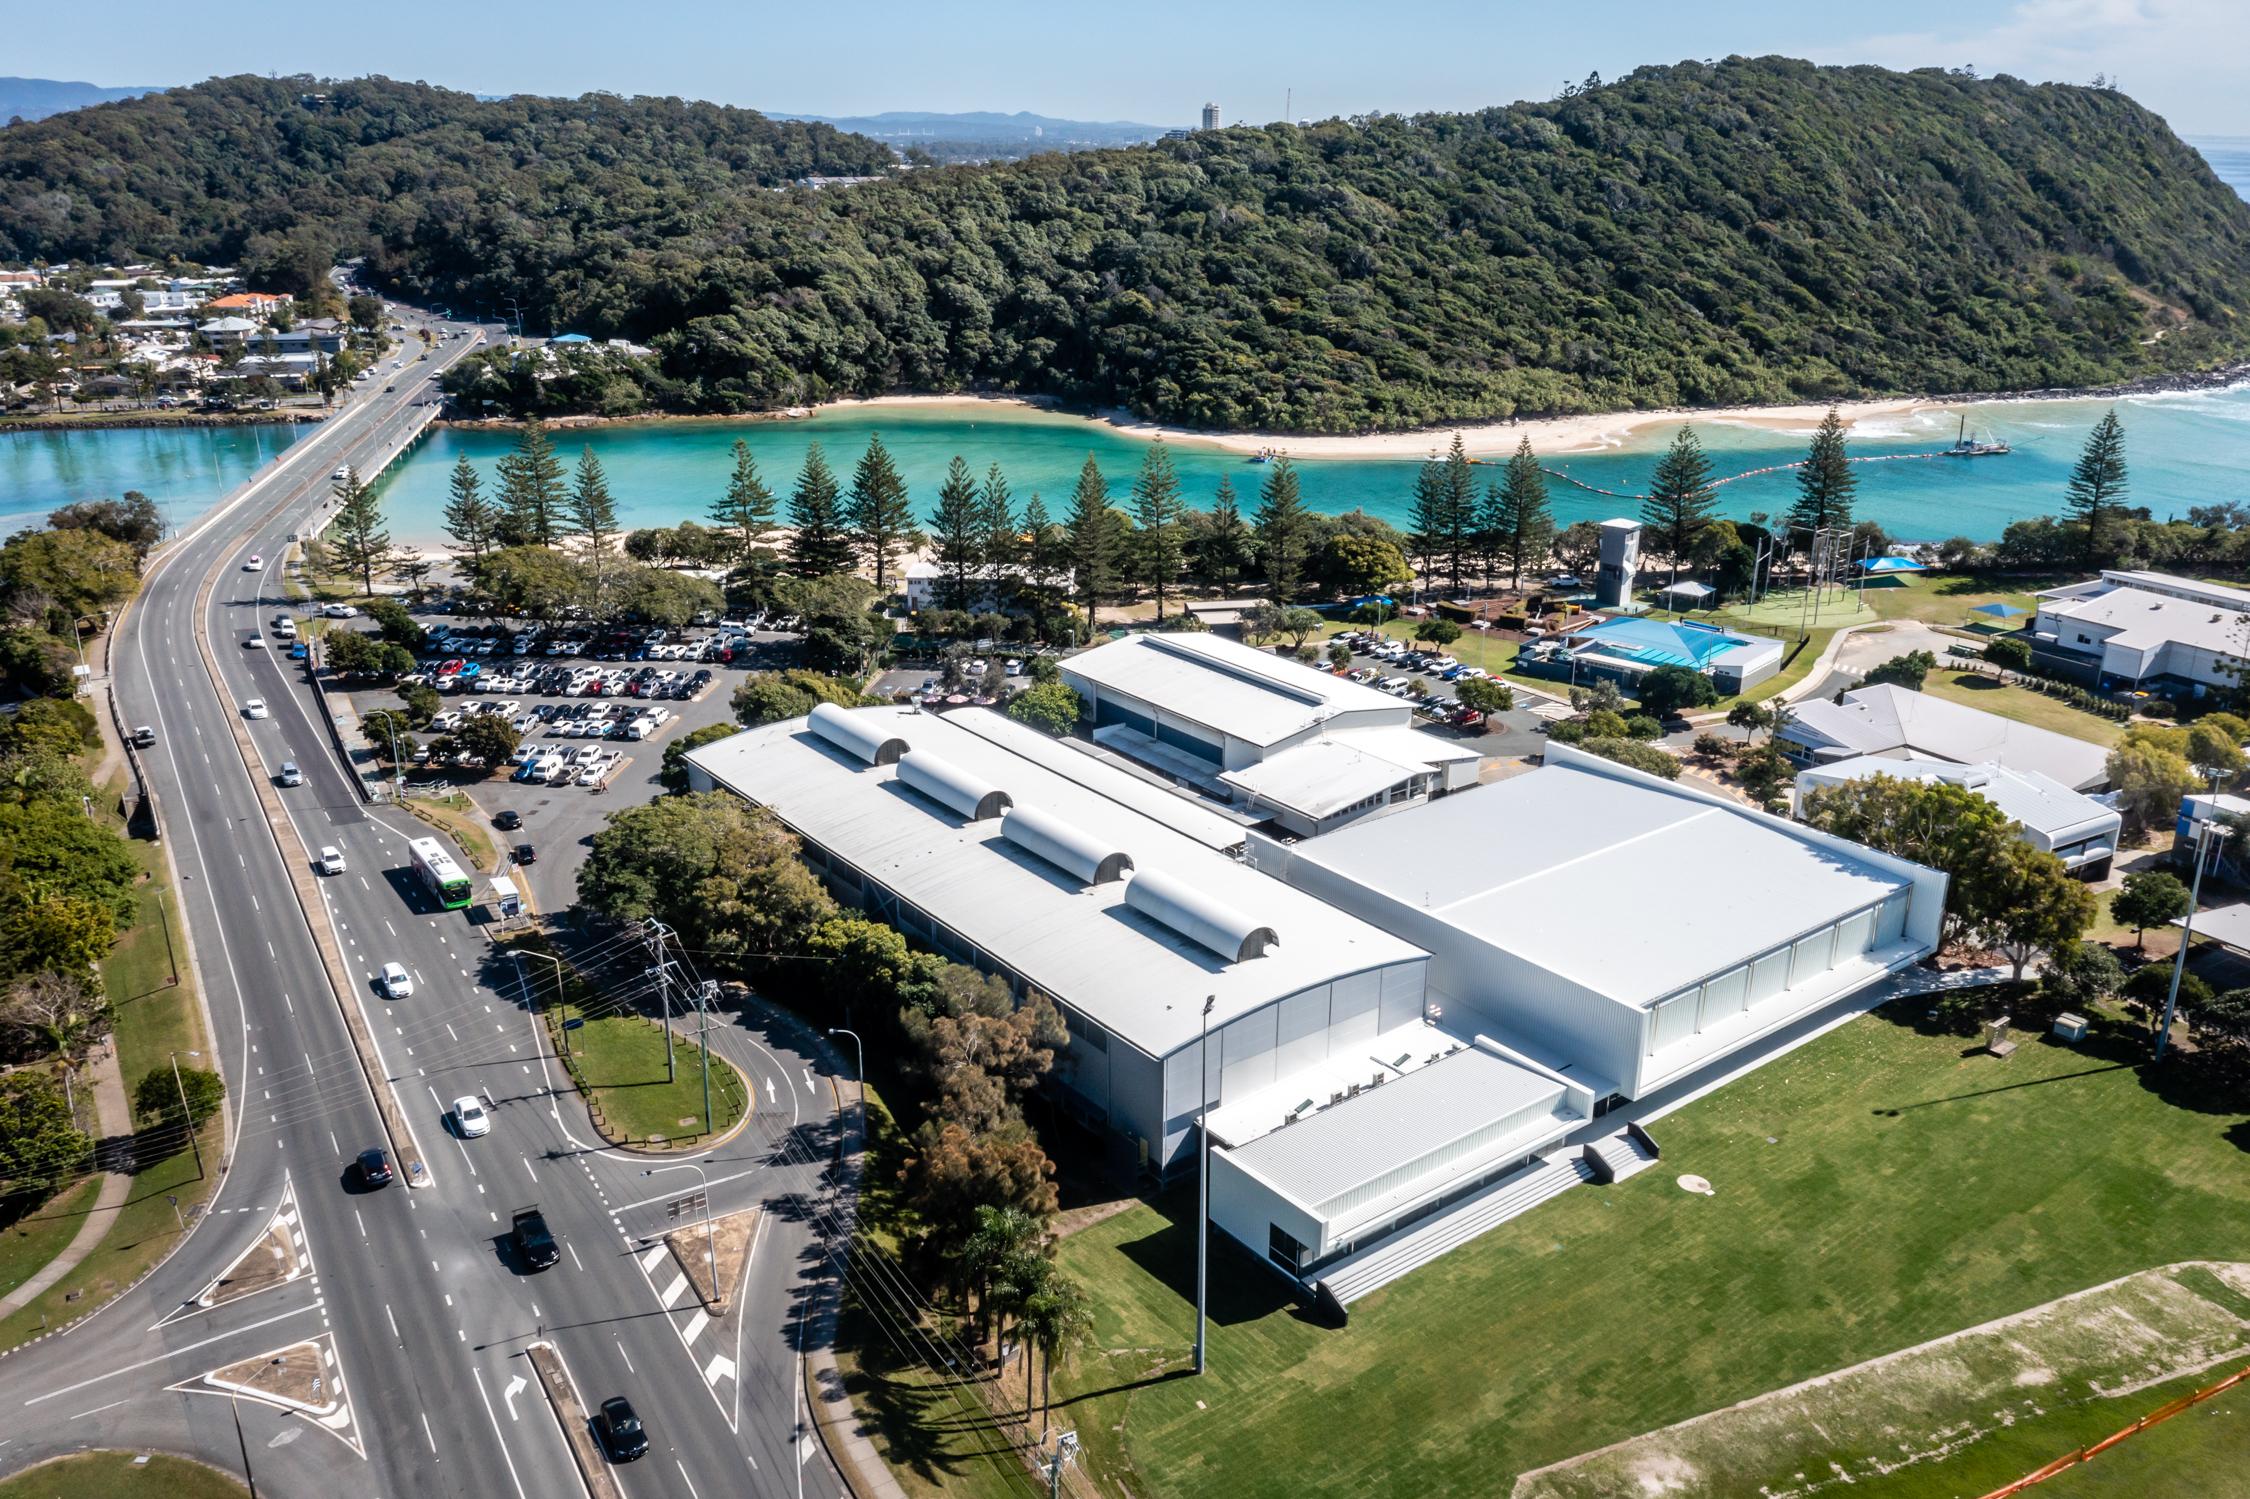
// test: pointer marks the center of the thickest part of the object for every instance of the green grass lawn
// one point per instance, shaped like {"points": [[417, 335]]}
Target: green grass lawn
{"points": [[1875, 1189], [2022, 704], [1949, 600], [121, 1475], [458, 816], [27, 1243], [617, 1062], [153, 993]]}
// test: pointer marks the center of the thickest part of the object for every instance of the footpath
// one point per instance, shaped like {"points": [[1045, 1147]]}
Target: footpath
{"points": [[111, 1113]]}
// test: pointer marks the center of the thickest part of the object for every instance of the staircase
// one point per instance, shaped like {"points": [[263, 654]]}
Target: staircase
{"points": [[1612, 1158], [1410, 1248]]}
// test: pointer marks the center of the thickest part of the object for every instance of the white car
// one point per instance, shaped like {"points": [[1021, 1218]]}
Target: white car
{"points": [[254, 643], [340, 474], [256, 564], [289, 774], [331, 859], [470, 1118], [255, 708], [397, 982], [339, 611]]}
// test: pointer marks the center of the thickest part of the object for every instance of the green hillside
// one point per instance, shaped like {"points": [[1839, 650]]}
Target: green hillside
{"points": [[1747, 231]]}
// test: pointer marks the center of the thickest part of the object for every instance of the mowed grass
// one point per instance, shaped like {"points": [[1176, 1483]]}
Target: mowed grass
{"points": [[28, 1242], [1875, 1189], [620, 1061], [120, 1475], [2022, 704], [153, 992]]}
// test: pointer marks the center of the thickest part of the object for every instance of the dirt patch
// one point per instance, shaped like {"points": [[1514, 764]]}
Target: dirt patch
{"points": [[1927, 1402], [272, 1260], [296, 1376], [728, 1243]]}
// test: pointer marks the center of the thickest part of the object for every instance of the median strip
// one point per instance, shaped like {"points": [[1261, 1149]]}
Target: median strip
{"points": [[570, 1414]]}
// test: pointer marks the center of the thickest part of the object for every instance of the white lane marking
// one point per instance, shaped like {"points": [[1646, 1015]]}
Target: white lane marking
{"points": [[648, 1260], [573, 1248], [97, 1410], [515, 1387], [692, 1494], [429, 1434], [621, 1353], [495, 1420], [393, 1321], [362, 1222], [527, 1167], [695, 1326], [809, 1088], [720, 1367], [171, 1354], [671, 1293]]}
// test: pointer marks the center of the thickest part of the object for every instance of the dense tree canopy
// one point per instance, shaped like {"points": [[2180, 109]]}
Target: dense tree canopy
{"points": [[1707, 233]]}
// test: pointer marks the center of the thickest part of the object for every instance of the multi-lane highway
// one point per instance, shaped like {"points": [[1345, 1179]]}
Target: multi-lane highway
{"points": [[425, 1312]]}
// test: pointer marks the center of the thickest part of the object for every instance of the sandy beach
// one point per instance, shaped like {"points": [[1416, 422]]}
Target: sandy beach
{"points": [[1549, 435]]}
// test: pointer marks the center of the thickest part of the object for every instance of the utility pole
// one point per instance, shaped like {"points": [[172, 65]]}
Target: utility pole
{"points": [[1202, 1190], [1066, 1448], [706, 995], [187, 1118], [242, 1442], [656, 931]]}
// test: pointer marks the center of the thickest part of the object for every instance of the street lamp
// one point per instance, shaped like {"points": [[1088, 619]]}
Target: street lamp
{"points": [[710, 1246], [187, 1117], [859, 1051], [1203, 1185], [2216, 835], [519, 955]]}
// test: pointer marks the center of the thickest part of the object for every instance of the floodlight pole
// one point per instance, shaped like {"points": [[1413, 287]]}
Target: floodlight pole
{"points": [[2216, 835], [1203, 1190], [187, 1118]]}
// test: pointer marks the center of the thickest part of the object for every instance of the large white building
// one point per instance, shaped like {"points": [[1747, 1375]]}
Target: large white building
{"points": [[2144, 630], [1899, 723], [1623, 929], [1385, 1026], [2075, 828], [1283, 741]]}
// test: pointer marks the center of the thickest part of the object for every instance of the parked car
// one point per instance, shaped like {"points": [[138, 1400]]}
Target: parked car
{"points": [[507, 820]]}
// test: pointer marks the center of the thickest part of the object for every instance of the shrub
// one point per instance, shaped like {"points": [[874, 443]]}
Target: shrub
{"points": [[1670, 690], [1641, 726], [2009, 651], [1713, 746], [1050, 706], [1633, 753]]}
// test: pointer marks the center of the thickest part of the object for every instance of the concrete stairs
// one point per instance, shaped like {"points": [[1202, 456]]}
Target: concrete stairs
{"points": [[1612, 1158], [1412, 1247]]}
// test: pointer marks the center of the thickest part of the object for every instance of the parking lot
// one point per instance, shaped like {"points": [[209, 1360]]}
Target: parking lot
{"points": [[578, 707], [1391, 666]]}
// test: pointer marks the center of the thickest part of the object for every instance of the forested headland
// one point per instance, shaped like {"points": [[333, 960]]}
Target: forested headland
{"points": [[1740, 232]]}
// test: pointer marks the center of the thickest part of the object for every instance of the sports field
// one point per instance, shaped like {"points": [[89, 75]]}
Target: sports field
{"points": [[1883, 1187]]}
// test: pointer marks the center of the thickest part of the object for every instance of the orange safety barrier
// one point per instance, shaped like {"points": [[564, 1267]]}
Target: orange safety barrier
{"points": [[2157, 1417]]}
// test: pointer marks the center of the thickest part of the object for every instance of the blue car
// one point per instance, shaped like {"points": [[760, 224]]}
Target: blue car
{"points": [[470, 670], [299, 652]]}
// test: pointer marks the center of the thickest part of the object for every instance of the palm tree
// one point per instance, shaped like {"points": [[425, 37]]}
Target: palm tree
{"points": [[1054, 1321], [1001, 1235]]}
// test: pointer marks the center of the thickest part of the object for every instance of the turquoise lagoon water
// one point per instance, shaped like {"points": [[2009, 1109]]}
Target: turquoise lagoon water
{"points": [[2184, 449], [185, 470]]}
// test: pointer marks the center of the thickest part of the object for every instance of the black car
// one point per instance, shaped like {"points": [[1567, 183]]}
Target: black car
{"points": [[621, 1432], [507, 821], [526, 854], [374, 1168]]}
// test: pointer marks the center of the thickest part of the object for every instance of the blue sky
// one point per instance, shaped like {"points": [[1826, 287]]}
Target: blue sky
{"points": [[1154, 61]]}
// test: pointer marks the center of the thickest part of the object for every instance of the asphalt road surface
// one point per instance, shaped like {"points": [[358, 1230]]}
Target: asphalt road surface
{"points": [[425, 1312]]}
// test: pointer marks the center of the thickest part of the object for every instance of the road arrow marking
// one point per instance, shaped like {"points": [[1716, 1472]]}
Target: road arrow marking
{"points": [[515, 1387]]}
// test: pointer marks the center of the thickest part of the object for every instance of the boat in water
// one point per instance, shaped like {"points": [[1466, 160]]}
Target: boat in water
{"points": [[1965, 446]]}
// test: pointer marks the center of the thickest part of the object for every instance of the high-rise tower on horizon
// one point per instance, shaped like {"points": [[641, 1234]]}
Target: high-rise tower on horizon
{"points": [[1210, 116]]}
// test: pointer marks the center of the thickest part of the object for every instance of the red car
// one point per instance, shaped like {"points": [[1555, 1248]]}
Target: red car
{"points": [[451, 668]]}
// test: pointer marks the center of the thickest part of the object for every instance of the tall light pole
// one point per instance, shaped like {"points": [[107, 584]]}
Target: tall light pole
{"points": [[187, 1117], [2215, 835], [519, 955], [1203, 1189], [859, 1051], [710, 1247]]}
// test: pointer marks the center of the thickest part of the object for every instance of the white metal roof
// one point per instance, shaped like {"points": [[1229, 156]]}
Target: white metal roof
{"points": [[1134, 975], [1184, 815], [1627, 885], [1319, 778], [1875, 720], [1347, 1145], [2042, 804], [2144, 610], [1253, 695]]}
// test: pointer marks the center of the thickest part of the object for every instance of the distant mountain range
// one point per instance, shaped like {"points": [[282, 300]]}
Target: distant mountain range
{"points": [[37, 98], [1002, 134]]}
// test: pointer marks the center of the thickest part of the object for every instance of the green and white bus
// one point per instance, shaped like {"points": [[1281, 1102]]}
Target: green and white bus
{"points": [[440, 875]]}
